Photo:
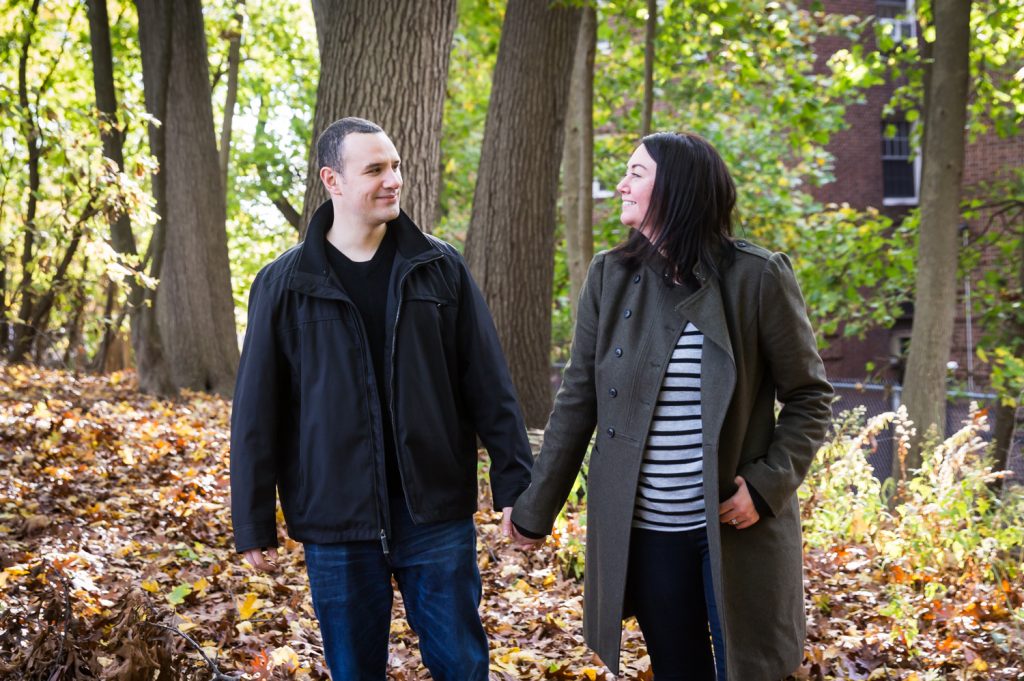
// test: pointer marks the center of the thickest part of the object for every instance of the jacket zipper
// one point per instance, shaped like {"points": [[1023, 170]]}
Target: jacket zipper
{"points": [[391, 377], [382, 507]]}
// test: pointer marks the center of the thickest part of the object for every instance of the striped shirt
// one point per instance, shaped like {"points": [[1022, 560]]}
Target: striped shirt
{"points": [[670, 496]]}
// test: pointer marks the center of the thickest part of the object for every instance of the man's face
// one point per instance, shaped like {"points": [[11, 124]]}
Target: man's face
{"points": [[368, 190]]}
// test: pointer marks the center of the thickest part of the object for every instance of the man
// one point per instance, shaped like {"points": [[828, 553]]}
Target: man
{"points": [[370, 365]]}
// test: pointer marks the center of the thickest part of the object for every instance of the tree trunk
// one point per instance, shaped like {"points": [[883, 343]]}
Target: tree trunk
{"points": [[152, 370], [234, 59], [578, 160], [943, 153], [510, 243], [21, 343], [194, 305], [386, 62], [1006, 417], [649, 38]]}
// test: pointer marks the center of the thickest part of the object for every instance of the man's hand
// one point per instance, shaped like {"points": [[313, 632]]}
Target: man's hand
{"points": [[257, 560], [738, 511], [509, 530]]}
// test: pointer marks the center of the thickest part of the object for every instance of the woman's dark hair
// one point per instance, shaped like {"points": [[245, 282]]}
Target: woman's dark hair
{"points": [[690, 213]]}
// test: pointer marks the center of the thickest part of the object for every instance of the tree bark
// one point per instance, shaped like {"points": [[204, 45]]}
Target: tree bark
{"points": [[386, 62], [578, 160], [510, 243], [1006, 419], [649, 39], [194, 305], [943, 155], [234, 59]]}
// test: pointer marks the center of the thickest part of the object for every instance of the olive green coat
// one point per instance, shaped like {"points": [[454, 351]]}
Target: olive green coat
{"points": [[758, 348]]}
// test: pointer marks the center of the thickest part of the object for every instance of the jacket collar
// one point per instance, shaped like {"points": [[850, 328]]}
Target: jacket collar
{"points": [[705, 307], [312, 270]]}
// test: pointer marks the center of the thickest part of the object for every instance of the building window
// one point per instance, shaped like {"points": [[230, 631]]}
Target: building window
{"points": [[900, 168], [900, 15]]}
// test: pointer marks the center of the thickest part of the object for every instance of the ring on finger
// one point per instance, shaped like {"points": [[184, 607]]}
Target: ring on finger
{"points": [[734, 522]]}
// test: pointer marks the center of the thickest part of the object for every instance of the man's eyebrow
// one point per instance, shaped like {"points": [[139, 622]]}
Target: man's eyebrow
{"points": [[372, 165]]}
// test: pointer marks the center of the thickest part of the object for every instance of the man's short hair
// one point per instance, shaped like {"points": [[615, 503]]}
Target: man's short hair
{"points": [[329, 143]]}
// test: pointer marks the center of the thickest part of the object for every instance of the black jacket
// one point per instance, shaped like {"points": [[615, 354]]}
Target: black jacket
{"points": [[306, 418]]}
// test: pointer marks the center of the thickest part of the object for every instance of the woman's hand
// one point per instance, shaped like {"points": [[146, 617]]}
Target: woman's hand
{"points": [[738, 510], [508, 529]]}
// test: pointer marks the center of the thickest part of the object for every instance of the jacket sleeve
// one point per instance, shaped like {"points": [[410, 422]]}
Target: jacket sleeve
{"points": [[571, 425], [490, 395], [255, 416], [786, 341]]}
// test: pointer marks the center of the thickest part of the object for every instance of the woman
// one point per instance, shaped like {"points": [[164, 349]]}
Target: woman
{"points": [[685, 338]]}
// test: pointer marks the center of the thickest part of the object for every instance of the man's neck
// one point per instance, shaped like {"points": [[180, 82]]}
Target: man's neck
{"points": [[356, 241]]}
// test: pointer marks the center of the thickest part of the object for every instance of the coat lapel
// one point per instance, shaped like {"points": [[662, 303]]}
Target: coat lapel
{"points": [[718, 367]]}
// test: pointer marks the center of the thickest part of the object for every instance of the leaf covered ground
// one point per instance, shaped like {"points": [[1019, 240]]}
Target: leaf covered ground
{"points": [[116, 562]]}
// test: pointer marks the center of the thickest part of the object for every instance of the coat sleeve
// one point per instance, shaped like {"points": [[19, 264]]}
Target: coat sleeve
{"points": [[490, 395], [786, 341], [255, 418], [571, 425]]}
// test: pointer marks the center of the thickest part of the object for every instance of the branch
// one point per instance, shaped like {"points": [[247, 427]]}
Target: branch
{"points": [[288, 211], [217, 674]]}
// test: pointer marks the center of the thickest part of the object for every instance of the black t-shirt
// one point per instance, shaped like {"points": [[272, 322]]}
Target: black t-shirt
{"points": [[366, 283]]}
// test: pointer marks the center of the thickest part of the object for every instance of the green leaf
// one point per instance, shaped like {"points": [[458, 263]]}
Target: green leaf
{"points": [[177, 597]]}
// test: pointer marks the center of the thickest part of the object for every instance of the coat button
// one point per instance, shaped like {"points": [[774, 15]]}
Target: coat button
{"points": [[741, 243], [636, 279], [611, 432], [618, 352], [627, 314], [613, 392]]}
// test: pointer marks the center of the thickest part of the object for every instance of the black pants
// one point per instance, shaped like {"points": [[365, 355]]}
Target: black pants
{"points": [[669, 590]]}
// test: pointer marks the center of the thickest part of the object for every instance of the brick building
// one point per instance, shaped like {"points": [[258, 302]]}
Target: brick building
{"points": [[875, 169]]}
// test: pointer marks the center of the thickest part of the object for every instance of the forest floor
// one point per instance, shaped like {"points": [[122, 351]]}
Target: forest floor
{"points": [[116, 561]]}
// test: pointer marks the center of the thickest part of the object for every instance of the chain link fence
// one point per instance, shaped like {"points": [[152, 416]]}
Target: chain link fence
{"points": [[877, 398]]}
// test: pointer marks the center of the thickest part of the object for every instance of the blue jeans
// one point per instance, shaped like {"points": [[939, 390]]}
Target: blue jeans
{"points": [[436, 571], [669, 589]]}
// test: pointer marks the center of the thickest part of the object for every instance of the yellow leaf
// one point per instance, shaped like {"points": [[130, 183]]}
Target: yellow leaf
{"points": [[590, 673], [200, 585], [523, 586], [151, 586], [284, 656], [249, 606], [979, 664]]}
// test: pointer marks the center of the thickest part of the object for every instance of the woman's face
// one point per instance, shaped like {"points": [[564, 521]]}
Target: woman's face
{"points": [[635, 189]]}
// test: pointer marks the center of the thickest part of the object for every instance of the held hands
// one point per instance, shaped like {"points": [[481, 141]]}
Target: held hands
{"points": [[738, 511], [260, 562], [510, 531]]}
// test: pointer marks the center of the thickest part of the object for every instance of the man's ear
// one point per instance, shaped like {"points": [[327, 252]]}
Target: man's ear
{"points": [[331, 179]]}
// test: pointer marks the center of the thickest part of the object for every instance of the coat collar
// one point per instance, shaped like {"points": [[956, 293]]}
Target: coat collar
{"points": [[705, 307], [312, 272]]}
